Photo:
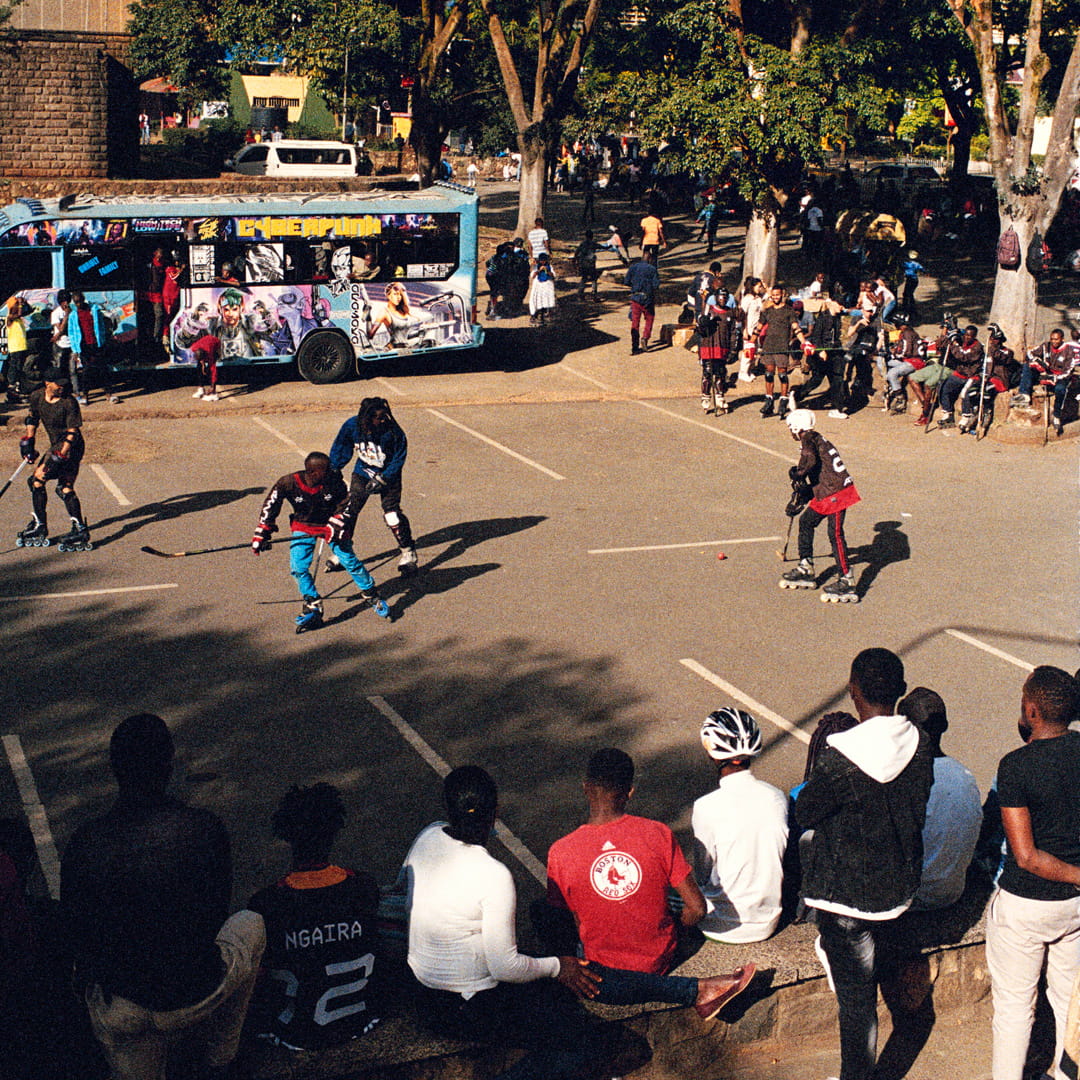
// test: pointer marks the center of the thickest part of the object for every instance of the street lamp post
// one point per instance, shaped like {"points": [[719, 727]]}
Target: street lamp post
{"points": [[345, 87]]}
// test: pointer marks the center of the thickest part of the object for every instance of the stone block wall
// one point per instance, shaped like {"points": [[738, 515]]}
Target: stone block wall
{"points": [[67, 108]]}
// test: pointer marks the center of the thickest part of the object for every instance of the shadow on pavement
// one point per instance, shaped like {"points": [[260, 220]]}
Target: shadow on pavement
{"points": [[173, 507]]}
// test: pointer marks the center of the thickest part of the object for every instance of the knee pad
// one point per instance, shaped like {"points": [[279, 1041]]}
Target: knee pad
{"points": [[393, 518]]}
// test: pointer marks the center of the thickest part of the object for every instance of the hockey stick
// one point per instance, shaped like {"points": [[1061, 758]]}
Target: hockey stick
{"points": [[15, 475], [782, 555], [197, 551], [984, 375]]}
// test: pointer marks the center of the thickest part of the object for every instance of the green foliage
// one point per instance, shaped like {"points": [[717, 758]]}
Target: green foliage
{"points": [[980, 147], [924, 123], [758, 116], [176, 39], [207, 145], [312, 38]]}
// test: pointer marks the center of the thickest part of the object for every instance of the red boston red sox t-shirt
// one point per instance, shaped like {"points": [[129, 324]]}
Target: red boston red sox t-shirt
{"points": [[614, 878]]}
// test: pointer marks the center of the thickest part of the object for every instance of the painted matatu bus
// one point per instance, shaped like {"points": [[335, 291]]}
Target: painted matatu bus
{"points": [[326, 280]]}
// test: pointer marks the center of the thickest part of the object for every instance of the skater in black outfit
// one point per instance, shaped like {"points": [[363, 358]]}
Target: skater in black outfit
{"points": [[320, 509], [53, 407], [832, 491], [381, 448]]}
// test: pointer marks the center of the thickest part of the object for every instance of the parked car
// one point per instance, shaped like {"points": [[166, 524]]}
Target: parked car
{"points": [[898, 180], [297, 157]]}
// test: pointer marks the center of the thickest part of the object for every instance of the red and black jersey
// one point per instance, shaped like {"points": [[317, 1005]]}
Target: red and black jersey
{"points": [[820, 464], [965, 360], [317, 979], [312, 507]]}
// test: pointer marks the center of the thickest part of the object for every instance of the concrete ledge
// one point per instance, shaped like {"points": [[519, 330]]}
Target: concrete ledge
{"points": [[789, 999]]}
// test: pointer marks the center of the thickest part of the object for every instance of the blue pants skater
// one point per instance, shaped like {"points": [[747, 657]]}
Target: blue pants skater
{"points": [[301, 550]]}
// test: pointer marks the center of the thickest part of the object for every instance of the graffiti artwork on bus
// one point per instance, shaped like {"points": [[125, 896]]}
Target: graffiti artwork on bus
{"points": [[250, 323], [406, 315]]}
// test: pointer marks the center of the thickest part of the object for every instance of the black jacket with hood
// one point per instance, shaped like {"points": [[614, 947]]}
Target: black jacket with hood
{"points": [[866, 802]]}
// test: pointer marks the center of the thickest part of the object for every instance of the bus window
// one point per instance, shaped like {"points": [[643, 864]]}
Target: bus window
{"points": [[96, 269], [263, 264], [24, 268]]}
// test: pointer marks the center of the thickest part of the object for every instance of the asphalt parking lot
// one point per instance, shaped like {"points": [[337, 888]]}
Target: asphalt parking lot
{"points": [[571, 597]]}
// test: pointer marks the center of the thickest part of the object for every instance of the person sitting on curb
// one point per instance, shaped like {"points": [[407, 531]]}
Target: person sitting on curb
{"points": [[740, 835], [965, 358], [1055, 358], [613, 874], [953, 814]]}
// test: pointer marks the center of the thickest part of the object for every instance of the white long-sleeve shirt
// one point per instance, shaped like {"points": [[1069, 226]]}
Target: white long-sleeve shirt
{"points": [[462, 905]]}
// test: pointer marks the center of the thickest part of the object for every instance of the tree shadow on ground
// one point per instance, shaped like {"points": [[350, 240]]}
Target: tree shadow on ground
{"points": [[166, 509]]}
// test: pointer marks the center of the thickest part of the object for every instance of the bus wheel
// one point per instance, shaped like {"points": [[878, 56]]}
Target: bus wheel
{"points": [[324, 357]]}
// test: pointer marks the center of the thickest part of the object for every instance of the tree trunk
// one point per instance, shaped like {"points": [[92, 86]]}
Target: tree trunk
{"points": [[762, 246], [961, 148], [1016, 292], [533, 180], [426, 138]]}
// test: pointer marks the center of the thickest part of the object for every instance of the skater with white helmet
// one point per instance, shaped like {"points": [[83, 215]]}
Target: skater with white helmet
{"points": [[740, 835], [381, 447], [53, 407], [832, 491], [320, 510]]}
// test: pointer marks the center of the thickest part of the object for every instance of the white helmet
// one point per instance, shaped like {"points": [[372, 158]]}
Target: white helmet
{"points": [[730, 733], [799, 420]]}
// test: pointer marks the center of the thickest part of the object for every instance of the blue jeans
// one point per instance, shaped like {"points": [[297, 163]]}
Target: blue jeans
{"points": [[621, 987], [951, 389], [854, 947], [301, 549], [1028, 374]]}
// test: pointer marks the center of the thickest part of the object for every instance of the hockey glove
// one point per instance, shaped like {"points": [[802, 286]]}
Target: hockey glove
{"points": [[800, 496], [375, 485], [338, 528], [26, 449], [260, 542], [793, 474]]}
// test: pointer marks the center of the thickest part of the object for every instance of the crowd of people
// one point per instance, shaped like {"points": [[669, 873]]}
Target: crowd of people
{"points": [[884, 831]]}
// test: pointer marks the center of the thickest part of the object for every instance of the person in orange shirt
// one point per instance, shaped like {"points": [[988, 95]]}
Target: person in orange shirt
{"points": [[652, 238]]}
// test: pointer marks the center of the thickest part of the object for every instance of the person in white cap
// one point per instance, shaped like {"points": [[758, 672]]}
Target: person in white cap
{"points": [[740, 834], [830, 491]]}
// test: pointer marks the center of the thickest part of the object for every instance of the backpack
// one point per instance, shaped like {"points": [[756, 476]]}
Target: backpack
{"points": [[1038, 256], [1008, 250]]}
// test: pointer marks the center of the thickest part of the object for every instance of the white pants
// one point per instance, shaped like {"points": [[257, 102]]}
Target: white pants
{"points": [[1021, 935], [136, 1040]]}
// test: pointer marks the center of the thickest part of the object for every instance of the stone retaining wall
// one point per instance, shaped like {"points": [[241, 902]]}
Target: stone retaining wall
{"points": [[67, 108]]}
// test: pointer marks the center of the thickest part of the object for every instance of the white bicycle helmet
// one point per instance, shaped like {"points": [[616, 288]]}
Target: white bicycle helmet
{"points": [[730, 733], [799, 420]]}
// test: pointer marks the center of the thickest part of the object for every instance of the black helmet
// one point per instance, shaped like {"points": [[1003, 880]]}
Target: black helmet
{"points": [[900, 318], [996, 332]]}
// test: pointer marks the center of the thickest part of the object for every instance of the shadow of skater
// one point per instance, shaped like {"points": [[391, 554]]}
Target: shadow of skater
{"points": [[890, 545], [166, 509], [460, 538]]}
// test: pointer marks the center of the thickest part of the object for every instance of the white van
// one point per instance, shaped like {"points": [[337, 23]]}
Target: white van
{"points": [[295, 157]]}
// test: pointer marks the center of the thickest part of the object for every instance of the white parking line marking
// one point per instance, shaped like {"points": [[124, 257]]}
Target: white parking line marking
{"points": [[35, 814], [497, 445], [587, 378], [717, 431], [390, 386], [279, 435], [755, 707], [87, 592], [109, 486], [507, 838], [673, 547], [968, 639], [678, 416]]}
